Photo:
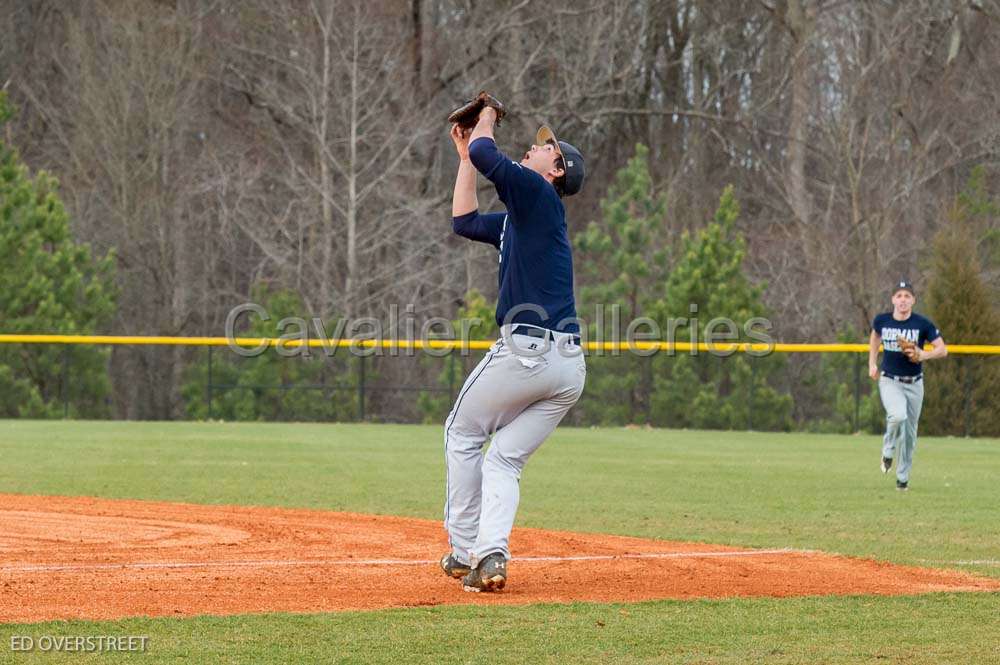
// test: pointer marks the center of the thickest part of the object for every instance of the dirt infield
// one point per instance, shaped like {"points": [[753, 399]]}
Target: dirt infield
{"points": [[71, 557]]}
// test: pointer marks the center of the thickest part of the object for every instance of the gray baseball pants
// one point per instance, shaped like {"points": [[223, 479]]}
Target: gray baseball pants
{"points": [[902, 402], [517, 394]]}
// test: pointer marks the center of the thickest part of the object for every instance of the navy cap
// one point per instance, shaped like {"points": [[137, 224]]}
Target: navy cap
{"points": [[572, 181], [903, 285]]}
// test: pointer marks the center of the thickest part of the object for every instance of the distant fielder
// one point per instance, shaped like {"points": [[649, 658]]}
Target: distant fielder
{"points": [[535, 372], [903, 333]]}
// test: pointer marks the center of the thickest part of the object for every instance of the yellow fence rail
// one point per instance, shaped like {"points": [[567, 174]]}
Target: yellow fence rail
{"points": [[264, 342], [363, 387]]}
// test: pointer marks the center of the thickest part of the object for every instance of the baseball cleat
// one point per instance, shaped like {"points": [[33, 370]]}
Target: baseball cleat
{"points": [[886, 464], [452, 567], [489, 575], [901, 486]]}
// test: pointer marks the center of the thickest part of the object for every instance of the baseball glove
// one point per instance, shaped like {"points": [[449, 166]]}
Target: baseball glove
{"points": [[908, 348], [467, 115]]}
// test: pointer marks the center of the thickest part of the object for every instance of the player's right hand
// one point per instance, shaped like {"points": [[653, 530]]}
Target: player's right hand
{"points": [[873, 371], [461, 138]]}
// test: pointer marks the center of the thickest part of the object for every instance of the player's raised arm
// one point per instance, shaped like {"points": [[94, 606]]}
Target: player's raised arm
{"points": [[484, 128], [464, 199], [485, 155], [466, 220]]}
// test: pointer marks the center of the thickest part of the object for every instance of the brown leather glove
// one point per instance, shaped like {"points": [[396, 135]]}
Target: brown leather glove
{"points": [[467, 115], [909, 349]]}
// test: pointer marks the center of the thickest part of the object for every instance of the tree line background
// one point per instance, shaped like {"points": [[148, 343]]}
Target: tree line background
{"points": [[781, 158]]}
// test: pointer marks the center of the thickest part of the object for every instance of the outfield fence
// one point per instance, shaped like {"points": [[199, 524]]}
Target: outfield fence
{"points": [[356, 380]]}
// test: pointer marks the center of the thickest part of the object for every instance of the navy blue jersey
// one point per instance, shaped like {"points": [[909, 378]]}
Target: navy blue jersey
{"points": [[916, 328], [536, 260]]}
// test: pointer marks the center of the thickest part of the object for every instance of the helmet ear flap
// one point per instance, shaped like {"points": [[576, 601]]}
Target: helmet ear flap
{"points": [[574, 168]]}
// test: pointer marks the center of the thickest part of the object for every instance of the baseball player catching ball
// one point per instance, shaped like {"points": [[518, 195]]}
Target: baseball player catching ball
{"points": [[903, 334], [535, 372]]}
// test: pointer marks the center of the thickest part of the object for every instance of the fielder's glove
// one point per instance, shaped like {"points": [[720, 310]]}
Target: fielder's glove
{"points": [[909, 349], [467, 115]]}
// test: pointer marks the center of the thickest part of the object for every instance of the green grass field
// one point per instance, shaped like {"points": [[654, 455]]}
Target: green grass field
{"points": [[748, 489]]}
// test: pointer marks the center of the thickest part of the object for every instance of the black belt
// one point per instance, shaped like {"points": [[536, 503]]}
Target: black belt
{"points": [[541, 333], [903, 379]]}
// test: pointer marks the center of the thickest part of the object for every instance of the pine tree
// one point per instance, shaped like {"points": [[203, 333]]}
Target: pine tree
{"points": [[621, 262], [51, 284], [707, 391], [962, 390]]}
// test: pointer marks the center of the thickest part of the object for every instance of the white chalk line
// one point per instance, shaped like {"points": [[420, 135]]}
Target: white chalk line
{"points": [[158, 565], [969, 562]]}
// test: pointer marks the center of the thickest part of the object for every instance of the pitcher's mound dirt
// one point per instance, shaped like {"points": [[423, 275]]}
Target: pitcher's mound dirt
{"points": [[70, 557]]}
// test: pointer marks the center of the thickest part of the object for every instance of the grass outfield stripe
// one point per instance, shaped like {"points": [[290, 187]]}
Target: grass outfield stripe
{"points": [[373, 562]]}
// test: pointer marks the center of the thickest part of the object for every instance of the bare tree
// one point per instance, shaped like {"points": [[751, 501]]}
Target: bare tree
{"points": [[123, 129]]}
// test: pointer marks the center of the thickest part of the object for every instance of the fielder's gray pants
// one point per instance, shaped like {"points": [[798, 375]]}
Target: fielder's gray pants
{"points": [[902, 402], [517, 395]]}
